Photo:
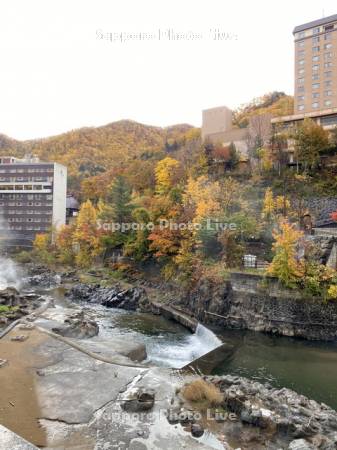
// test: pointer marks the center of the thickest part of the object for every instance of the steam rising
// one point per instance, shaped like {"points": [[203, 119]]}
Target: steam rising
{"points": [[10, 274]]}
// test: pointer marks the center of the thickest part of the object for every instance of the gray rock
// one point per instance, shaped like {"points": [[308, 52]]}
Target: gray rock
{"points": [[197, 430], [140, 399], [77, 326], [300, 444], [283, 412], [112, 297]]}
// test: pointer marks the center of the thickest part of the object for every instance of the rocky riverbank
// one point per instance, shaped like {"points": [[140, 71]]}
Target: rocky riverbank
{"points": [[14, 306], [245, 301], [257, 416], [111, 297]]}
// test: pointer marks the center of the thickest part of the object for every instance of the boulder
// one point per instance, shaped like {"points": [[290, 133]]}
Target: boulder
{"points": [[137, 400], [197, 430], [300, 444], [77, 326]]}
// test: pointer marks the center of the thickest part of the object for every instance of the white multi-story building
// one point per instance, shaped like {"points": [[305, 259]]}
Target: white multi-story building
{"points": [[32, 199]]}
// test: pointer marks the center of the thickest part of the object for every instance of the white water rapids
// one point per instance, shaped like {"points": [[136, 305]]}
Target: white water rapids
{"points": [[189, 349]]}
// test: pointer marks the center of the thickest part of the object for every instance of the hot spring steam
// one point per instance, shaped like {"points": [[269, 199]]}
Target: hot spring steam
{"points": [[10, 274]]}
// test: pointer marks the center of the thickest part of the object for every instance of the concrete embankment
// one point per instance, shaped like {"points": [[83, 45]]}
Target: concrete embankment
{"points": [[252, 302]]}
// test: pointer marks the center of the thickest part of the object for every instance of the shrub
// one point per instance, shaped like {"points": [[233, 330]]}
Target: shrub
{"points": [[24, 257], [202, 391]]}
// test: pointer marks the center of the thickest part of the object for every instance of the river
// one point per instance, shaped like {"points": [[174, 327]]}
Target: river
{"points": [[308, 367]]}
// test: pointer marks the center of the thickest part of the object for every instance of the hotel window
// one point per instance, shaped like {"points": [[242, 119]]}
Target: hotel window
{"points": [[327, 37], [328, 27], [316, 30], [300, 44], [301, 71], [316, 49], [327, 103], [328, 84], [315, 76], [300, 80], [328, 93], [301, 54], [315, 58], [301, 62], [315, 105], [327, 56], [300, 107], [327, 65], [315, 40], [300, 98], [327, 46], [328, 74], [315, 86], [301, 35], [300, 89], [315, 95], [315, 68]]}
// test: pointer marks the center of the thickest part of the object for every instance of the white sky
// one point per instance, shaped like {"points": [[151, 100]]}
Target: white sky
{"points": [[56, 74]]}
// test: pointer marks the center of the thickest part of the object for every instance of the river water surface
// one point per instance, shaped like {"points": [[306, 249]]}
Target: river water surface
{"points": [[310, 368]]}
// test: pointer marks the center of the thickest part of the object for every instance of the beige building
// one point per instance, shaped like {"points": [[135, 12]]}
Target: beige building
{"points": [[316, 66], [216, 120], [217, 127]]}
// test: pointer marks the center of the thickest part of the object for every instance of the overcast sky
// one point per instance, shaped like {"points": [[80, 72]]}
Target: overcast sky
{"points": [[59, 69]]}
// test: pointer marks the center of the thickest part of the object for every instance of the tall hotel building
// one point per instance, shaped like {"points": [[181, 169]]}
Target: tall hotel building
{"points": [[315, 73], [32, 199], [316, 66]]}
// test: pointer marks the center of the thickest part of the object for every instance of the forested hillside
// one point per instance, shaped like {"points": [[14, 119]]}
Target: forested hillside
{"points": [[275, 103], [90, 152]]}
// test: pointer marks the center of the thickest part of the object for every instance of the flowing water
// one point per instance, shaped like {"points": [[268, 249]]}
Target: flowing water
{"points": [[168, 344], [309, 368]]}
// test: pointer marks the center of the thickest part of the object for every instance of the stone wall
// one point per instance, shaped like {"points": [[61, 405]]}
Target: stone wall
{"points": [[251, 302]]}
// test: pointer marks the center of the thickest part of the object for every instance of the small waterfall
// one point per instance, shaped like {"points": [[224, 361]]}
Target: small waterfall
{"points": [[208, 340], [10, 274], [194, 346]]}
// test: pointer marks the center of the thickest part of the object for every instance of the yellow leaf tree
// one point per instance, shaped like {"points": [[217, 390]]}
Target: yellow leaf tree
{"points": [[165, 172], [285, 265], [268, 205], [204, 197], [64, 244], [87, 235]]}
